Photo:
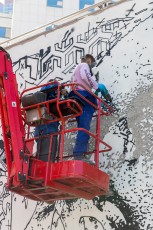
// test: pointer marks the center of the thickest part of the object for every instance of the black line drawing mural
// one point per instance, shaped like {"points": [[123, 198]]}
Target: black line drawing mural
{"points": [[122, 47], [37, 67], [2, 154], [126, 133], [72, 58], [99, 40], [66, 42]]}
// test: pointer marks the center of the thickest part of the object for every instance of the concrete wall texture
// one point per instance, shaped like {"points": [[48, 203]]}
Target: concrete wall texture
{"points": [[121, 40]]}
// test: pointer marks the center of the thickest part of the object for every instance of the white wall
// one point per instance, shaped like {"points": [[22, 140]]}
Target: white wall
{"points": [[121, 40]]}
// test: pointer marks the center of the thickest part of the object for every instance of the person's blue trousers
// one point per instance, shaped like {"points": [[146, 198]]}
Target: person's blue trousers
{"points": [[81, 144], [46, 129], [43, 144]]}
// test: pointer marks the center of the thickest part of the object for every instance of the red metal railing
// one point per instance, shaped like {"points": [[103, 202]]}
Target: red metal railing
{"points": [[35, 178], [63, 129]]}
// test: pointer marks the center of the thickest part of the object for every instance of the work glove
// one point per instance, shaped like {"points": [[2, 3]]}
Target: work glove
{"points": [[108, 97], [102, 89]]}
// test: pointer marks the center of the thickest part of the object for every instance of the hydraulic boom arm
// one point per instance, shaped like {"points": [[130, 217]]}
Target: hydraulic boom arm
{"points": [[11, 121]]}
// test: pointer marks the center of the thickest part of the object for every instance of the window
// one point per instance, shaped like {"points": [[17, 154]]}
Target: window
{"points": [[5, 32], [84, 3], [55, 3], [8, 8], [2, 32], [1, 8]]}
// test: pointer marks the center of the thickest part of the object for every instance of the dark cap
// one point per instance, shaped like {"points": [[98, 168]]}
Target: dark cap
{"points": [[90, 56]]}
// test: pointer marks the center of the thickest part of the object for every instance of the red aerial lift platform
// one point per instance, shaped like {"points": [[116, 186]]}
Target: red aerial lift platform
{"points": [[45, 180], [64, 180]]}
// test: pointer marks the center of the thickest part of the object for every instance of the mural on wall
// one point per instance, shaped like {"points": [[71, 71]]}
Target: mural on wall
{"points": [[99, 39], [120, 40]]}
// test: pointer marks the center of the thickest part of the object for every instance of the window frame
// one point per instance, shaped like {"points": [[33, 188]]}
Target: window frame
{"points": [[7, 30], [85, 2], [54, 6]]}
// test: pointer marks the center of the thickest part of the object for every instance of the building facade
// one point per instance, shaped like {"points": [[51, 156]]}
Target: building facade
{"points": [[18, 17], [29, 15], [6, 10]]}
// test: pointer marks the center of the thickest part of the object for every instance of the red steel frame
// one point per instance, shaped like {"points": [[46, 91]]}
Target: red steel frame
{"points": [[63, 131], [12, 125], [47, 181]]}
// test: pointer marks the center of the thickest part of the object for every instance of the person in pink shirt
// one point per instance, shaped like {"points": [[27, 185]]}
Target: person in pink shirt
{"points": [[82, 75]]}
